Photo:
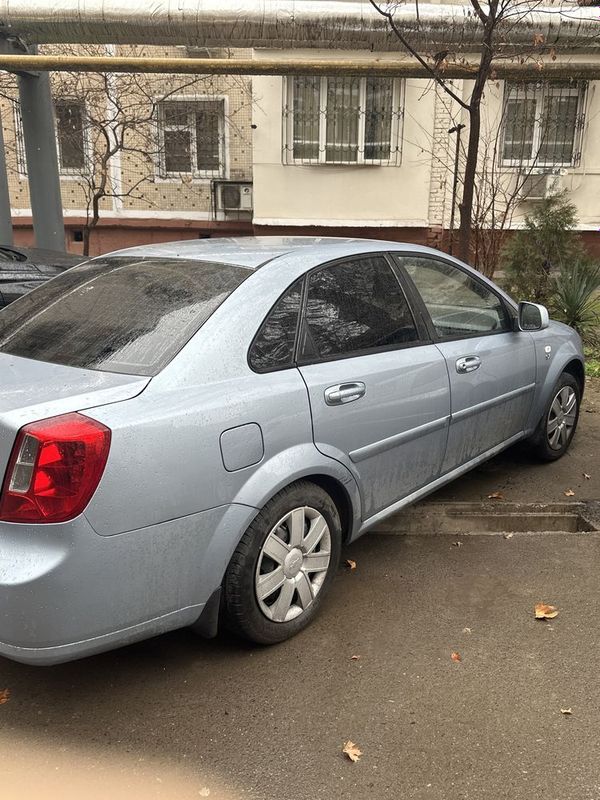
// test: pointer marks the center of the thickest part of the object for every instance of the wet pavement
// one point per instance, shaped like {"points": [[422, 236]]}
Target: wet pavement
{"points": [[232, 721]]}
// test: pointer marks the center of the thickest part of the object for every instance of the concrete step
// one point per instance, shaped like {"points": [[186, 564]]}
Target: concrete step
{"points": [[490, 517]]}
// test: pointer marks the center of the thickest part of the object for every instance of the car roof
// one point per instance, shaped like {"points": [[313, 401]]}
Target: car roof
{"points": [[252, 252]]}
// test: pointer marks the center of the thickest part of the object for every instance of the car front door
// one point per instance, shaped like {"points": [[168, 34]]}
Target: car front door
{"points": [[378, 387], [492, 367]]}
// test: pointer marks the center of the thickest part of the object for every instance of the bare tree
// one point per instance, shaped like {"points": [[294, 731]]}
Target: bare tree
{"points": [[109, 131], [494, 18]]}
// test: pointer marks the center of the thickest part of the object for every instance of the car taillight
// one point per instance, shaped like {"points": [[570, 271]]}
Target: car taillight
{"points": [[54, 469]]}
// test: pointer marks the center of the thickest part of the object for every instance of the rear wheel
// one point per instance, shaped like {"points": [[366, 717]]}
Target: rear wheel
{"points": [[284, 565], [558, 424]]}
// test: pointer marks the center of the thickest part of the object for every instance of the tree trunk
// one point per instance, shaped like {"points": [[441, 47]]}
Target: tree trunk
{"points": [[91, 224], [466, 203]]}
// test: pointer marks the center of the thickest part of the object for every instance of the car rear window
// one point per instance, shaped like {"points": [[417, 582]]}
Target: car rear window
{"points": [[117, 314]]}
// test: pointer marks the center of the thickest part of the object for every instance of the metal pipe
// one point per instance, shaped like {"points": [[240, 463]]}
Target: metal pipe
{"points": [[341, 24], [42, 161], [6, 231], [405, 68]]}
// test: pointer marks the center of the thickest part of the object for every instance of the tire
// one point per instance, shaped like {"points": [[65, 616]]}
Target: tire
{"points": [[556, 428], [283, 566]]}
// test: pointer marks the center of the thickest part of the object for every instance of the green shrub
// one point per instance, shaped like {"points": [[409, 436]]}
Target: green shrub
{"points": [[575, 299], [547, 244]]}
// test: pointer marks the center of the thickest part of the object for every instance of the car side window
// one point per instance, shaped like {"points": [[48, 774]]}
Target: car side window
{"points": [[356, 306], [273, 346], [458, 304]]}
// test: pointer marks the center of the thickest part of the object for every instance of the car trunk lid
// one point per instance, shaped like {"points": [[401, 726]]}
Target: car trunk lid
{"points": [[34, 390]]}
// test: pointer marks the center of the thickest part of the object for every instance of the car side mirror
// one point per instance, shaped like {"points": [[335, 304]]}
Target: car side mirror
{"points": [[533, 317]]}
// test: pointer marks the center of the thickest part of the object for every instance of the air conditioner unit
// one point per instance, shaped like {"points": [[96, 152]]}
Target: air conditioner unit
{"points": [[539, 187], [233, 196]]}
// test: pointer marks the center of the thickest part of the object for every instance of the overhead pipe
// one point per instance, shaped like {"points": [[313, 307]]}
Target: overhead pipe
{"points": [[405, 68], [339, 24]]}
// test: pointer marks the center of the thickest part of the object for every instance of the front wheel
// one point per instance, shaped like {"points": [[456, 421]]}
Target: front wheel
{"points": [[284, 565], [559, 421]]}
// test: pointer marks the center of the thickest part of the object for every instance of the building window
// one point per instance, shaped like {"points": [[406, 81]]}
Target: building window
{"points": [[192, 137], [343, 120], [71, 135], [543, 123], [72, 139]]}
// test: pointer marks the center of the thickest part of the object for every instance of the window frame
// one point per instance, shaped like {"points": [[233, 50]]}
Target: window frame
{"points": [[197, 176], [21, 155], [73, 172], [420, 302], [579, 90], [397, 125]]}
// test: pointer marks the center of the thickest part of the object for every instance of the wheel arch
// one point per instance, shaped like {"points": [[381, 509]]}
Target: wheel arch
{"points": [[576, 369]]}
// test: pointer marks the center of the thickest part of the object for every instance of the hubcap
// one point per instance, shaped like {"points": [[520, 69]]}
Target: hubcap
{"points": [[292, 564], [561, 418]]}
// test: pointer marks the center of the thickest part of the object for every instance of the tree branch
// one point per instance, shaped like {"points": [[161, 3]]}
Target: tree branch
{"points": [[432, 72]]}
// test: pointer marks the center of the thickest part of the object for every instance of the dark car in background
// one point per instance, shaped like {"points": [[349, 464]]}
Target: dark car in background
{"points": [[23, 269]]}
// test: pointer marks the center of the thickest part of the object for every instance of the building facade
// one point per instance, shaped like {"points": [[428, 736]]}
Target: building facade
{"points": [[147, 158]]}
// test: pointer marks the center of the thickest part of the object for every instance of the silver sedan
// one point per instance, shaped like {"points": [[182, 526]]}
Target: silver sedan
{"points": [[190, 432]]}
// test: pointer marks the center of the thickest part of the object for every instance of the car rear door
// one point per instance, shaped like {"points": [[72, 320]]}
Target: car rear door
{"points": [[378, 387], [491, 365]]}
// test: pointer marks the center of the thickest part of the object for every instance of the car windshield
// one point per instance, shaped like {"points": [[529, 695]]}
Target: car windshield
{"points": [[118, 314]]}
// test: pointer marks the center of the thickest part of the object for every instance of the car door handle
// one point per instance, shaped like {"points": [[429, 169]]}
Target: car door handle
{"points": [[468, 364], [344, 393]]}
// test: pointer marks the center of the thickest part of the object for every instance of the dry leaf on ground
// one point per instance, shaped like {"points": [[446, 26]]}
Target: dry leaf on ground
{"points": [[508, 535], [466, 630], [544, 611], [586, 476], [4, 696], [352, 751], [455, 656], [496, 496], [566, 711], [569, 493], [354, 658], [350, 564], [457, 544]]}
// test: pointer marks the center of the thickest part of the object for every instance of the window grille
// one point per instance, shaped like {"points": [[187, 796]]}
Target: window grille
{"points": [[192, 138], [342, 120], [543, 123], [71, 136]]}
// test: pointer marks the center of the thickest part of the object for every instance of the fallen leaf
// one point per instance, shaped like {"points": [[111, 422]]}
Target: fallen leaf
{"points": [[4, 696], [354, 658], [586, 476], [352, 751], [508, 535], [466, 630], [544, 611], [496, 496], [455, 656], [350, 564], [566, 711], [569, 493], [457, 544]]}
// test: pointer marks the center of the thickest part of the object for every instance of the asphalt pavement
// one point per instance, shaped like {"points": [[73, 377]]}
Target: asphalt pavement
{"points": [[222, 719]]}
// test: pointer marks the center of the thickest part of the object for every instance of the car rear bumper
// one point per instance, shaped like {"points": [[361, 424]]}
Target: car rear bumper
{"points": [[66, 592]]}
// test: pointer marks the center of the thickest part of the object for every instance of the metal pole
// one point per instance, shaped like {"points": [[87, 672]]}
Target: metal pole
{"points": [[456, 129], [42, 161], [6, 231]]}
